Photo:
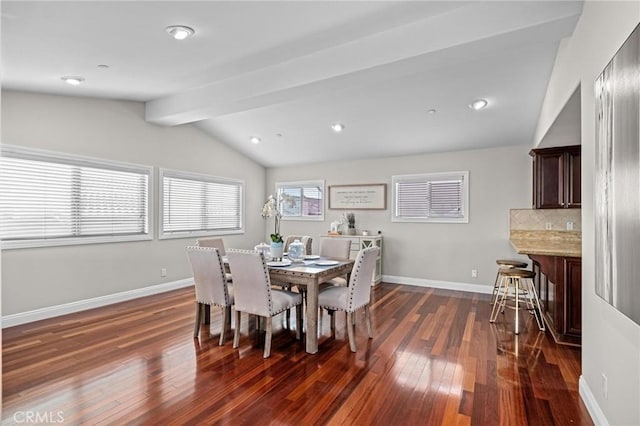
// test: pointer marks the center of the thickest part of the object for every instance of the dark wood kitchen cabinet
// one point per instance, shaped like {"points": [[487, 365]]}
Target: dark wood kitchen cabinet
{"points": [[559, 286], [556, 177]]}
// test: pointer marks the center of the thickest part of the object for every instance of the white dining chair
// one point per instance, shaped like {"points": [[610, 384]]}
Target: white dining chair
{"points": [[219, 244], [335, 248], [306, 240], [211, 286], [354, 296], [254, 295]]}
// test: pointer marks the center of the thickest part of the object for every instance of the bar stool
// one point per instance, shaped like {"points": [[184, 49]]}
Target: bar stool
{"points": [[504, 263], [516, 287]]}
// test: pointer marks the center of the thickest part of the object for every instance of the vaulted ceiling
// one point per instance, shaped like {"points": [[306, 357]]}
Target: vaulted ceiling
{"points": [[286, 71]]}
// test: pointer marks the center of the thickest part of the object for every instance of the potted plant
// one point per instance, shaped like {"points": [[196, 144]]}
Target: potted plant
{"points": [[271, 208], [351, 223]]}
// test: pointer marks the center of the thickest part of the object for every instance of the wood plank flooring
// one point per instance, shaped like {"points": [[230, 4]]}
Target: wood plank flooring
{"points": [[435, 360]]}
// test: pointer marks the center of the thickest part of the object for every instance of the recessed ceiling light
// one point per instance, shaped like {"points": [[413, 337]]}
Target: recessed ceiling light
{"points": [[255, 140], [337, 127], [431, 111], [72, 80], [478, 104], [179, 32], [103, 66]]}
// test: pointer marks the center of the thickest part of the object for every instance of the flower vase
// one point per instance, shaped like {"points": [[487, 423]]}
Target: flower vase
{"points": [[277, 250], [351, 231]]}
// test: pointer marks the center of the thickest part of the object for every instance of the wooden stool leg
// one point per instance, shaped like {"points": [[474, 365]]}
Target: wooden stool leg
{"points": [[516, 281], [499, 301], [496, 288], [537, 310]]}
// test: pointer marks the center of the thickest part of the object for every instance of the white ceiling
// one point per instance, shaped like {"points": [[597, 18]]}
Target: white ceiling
{"points": [[285, 71]]}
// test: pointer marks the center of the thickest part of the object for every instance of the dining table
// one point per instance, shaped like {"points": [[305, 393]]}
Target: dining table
{"points": [[309, 274]]}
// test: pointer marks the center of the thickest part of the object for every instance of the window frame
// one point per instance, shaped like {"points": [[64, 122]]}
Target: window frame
{"points": [[180, 174], [303, 184], [432, 177], [36, 154]]}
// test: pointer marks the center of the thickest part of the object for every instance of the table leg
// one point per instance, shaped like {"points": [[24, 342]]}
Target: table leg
{"points": [[312, 317]]}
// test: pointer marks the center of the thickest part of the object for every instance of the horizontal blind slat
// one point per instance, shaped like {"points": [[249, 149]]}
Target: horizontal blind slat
{"points": [[53, 197], [200, 205]]}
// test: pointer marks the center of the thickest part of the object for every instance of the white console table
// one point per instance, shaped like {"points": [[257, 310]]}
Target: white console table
{"points": [[359, 242]]}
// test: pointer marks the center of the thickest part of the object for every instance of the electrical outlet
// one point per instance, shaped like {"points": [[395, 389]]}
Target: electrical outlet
{"points": [[605, 387], [163, 272], [474, 273], [569, 226], [547, 225]]}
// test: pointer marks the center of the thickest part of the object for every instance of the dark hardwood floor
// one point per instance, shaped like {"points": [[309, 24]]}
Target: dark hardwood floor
{"points": [[435, 360]]}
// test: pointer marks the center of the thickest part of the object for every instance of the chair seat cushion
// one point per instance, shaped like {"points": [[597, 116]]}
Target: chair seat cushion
{"points": [[334, 298], [282, 300], [337, 281]]}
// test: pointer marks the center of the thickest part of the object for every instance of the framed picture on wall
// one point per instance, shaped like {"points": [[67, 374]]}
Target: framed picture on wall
{"points": [[617, 198], [371, 196]]}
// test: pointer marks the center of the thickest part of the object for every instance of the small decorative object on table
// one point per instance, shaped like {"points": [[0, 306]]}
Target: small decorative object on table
{"points": [[271, 208], [296, 251], [263, 248]]}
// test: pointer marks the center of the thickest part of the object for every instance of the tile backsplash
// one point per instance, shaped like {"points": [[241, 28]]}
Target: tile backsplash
{"points": [[544, 219]]}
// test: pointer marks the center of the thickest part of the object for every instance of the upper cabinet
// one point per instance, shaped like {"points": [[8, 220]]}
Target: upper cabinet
{"points": [[556, 177]]}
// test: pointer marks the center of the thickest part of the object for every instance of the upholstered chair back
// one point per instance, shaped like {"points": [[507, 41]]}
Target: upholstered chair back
{"points": [[252, 285], [213, 242], [335, 248], [361, 276], [209, 276], [306, 240]]}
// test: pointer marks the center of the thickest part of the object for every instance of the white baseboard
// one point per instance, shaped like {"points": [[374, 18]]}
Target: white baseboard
{"points": [[96, 302], [448, 285], [590, 402]]}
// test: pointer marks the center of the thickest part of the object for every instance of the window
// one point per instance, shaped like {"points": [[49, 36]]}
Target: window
{"points": [[432, 197], [302, 200], [195, 205], [50, 199]]}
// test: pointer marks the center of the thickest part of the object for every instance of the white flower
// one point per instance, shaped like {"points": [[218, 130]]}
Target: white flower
{"points": [[271, 209]]}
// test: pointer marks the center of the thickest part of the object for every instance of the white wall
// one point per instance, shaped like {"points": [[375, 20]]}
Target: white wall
{"points": [[610, 341], [116, 130], [500, 179]]}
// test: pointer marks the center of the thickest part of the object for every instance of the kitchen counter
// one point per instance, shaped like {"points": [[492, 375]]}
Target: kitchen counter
{"points": [[547, 243]]}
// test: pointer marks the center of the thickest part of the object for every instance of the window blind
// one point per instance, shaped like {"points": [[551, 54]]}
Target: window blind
{"points": [[51, 199], [199, 204], [433, 197]]}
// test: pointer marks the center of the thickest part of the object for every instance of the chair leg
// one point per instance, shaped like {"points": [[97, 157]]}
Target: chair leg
{"points": [[196, 330], [351, 331], [299, 321], [236, 335], [332, 319], [367, 316], [226, 324], [267, 339], [287, 319]]}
